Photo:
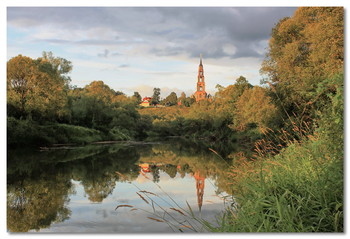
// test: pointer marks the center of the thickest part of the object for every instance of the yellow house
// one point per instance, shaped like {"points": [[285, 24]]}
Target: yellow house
{"points": [[146, 102]]}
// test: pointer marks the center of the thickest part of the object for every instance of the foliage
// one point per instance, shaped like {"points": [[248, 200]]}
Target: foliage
{"points": [[299, 190], [137, 97], [170, 100], [304, 51], [37, 88], [156, 96], [254, 107], [29, 133]]}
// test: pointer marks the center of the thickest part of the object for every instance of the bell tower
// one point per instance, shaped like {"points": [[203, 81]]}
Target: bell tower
{"points": [[200, 94]]}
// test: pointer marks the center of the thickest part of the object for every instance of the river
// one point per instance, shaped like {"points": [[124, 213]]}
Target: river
{"points": [[128, 187]]}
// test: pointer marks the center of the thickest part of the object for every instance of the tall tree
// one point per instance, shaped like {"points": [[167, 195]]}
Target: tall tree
{"points": [[137, 97], [306, 49], [20, 73], [38, 87], [156, 96]]}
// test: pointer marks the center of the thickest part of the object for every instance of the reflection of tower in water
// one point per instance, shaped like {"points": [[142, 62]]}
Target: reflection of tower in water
{"points": [[200, 188]]}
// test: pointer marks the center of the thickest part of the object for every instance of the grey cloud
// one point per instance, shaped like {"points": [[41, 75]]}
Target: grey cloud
{"points": [[167, 51], [192, 30]]}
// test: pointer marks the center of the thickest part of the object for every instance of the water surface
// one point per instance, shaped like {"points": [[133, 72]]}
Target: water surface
{"points": [[78, 189]]}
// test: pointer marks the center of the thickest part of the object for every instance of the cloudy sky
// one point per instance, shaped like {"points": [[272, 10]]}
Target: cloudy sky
{"points": [[139, 48]]}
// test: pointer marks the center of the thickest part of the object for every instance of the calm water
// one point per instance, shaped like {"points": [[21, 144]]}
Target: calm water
{"points": [[77, 189]]}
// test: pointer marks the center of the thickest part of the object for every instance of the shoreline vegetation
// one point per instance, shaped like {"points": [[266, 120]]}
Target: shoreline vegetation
{"points": [[293, 178]]}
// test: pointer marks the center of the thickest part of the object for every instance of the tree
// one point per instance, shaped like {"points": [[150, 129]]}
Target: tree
{"points": [[20, 73], [254, 106], [188, 101], [37, 88], [100, 91], [156, 96], [170, 100], [304, 51], [241, 85], [56, 67], [137, 97]]}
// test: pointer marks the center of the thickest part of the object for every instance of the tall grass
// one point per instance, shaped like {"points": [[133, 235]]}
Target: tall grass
{"points": [[293, 184], [298, 190]]}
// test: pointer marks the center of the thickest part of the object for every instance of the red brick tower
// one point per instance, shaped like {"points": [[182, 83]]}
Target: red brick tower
{"points": [[200, 94]]}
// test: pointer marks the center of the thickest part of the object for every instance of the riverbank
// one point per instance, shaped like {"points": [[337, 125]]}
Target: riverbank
{"points": [[298, 190], [30, 133]]}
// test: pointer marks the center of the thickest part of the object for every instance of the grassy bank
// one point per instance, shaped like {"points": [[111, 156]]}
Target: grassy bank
{"points": [[298, 190], [30, 133]]}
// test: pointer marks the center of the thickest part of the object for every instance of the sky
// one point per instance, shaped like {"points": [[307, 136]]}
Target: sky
{"points": [[140, 48]]}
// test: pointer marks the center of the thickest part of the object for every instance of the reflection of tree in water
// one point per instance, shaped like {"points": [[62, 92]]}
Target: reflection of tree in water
{"points": [[98, 173], [38, 185], [170, 169], [175, 157], [99, 187], [37, 203], [155, 173]]}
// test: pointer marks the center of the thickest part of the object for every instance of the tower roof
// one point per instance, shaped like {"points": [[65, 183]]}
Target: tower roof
{"points": [[200, 60]]}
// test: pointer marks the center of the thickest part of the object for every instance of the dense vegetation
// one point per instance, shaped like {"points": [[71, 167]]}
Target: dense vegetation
{"points": [[294, 182], [301, 188]]}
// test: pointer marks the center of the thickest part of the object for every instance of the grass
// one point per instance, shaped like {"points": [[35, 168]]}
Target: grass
{"points": [[298, 190], [30, 133]]}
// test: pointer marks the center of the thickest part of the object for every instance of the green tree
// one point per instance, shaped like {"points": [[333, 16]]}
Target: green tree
{"points": [[170, 100], [182, 98], [241, 85], [58, 68], [156, 96], [137, 97], [188, 101], [254, 107]]}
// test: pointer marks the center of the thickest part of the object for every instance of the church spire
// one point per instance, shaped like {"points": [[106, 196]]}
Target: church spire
{"points": [[200, 94]]}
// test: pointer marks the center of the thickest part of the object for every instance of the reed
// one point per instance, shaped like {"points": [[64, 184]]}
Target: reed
{"points": [[294, 188]]}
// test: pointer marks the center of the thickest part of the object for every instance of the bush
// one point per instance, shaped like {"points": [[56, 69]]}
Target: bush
{"points": [[30, 133]]}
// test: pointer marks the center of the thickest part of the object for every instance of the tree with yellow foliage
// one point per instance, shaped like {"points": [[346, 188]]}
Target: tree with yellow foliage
{"points": [[254, 106], [37, 88]]}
